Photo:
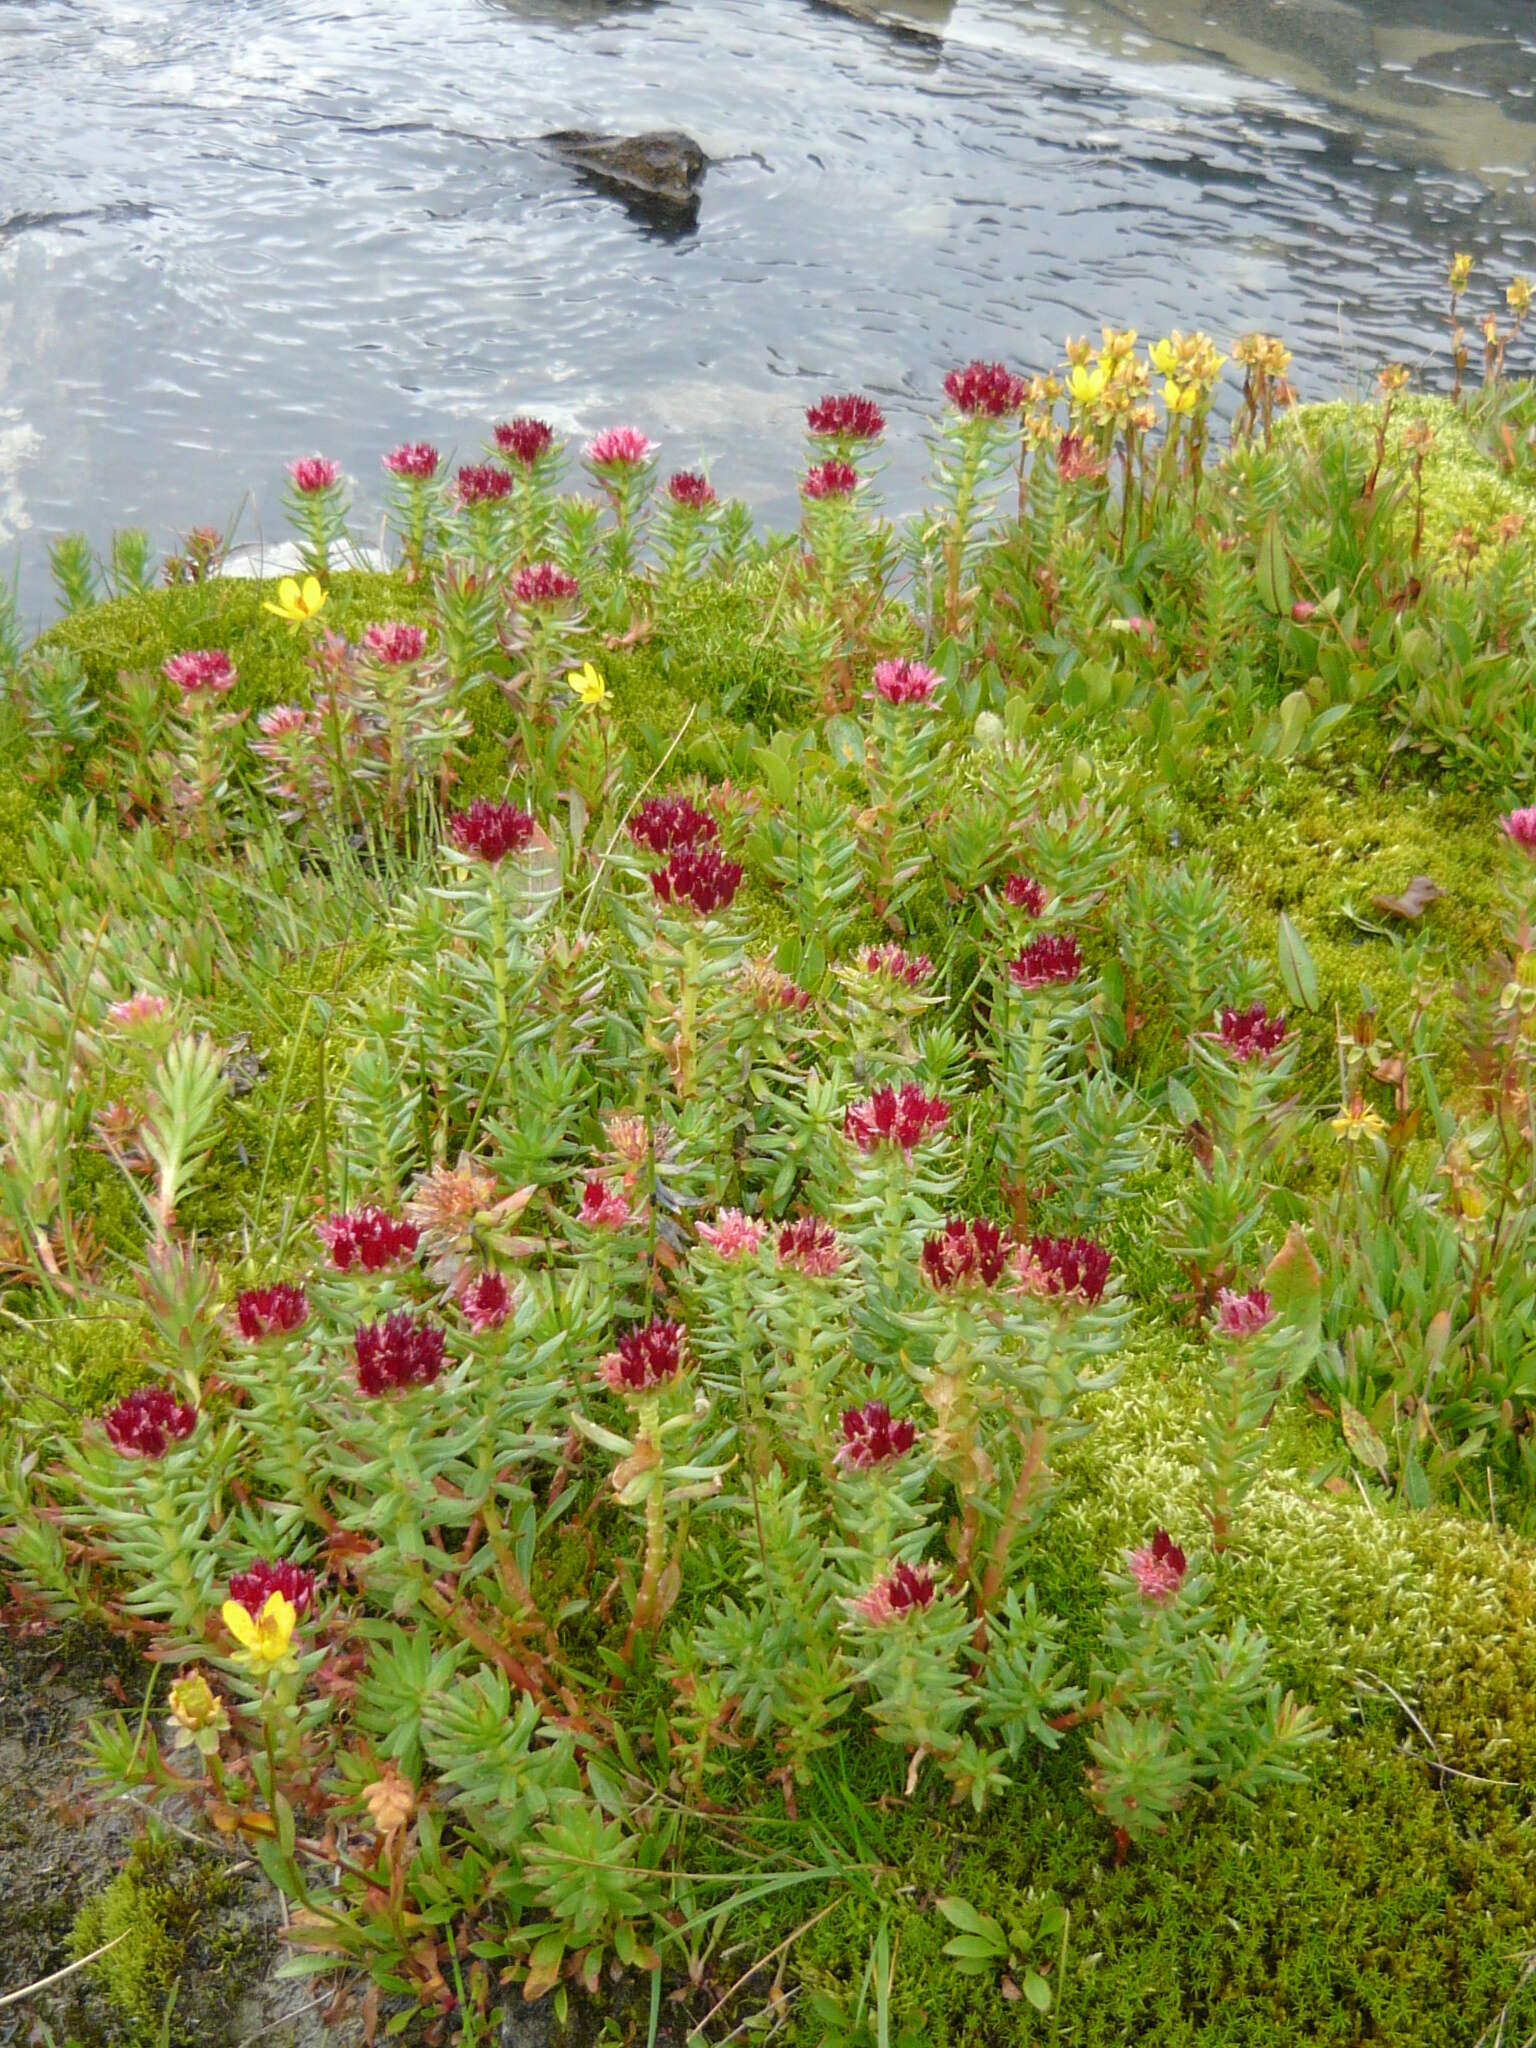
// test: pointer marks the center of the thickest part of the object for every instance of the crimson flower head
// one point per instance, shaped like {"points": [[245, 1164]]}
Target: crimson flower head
{"points": [[314, 473], [205, 672], [603, 1207], [1077, 460], [270, 1311], [402, 1351], [145, 1424], [905, 682], [1064, 1268], [693, 492], [664, 823], [524, 441], [899, 1117], [414, 462], [1520, 830], [829, 480], [871, 1438], [699, 876], [619, 448], [482, 483], [1023, 892], [489, 832], [810, 1246], [646, 1359], [905, 1589], [486, 1301], [1243, 1315], [895, 965], [1251, 1034], [539, 583], [395, 645], [255, 1587], [1051, 960], [847, 417], [367, 1238], [1158, 1569], [964, 1255], [984, 391]]}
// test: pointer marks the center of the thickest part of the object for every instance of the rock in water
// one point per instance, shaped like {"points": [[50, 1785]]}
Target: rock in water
{"points": [[662, 169]]}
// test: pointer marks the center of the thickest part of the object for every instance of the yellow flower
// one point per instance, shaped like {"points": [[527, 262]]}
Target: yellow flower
{"points": [[1085, 386], [265, 1638], [1165, 357], [1357, 1122], [198, 1713], [297, 602], [586, 684], [1181, 397], [1117, 345], [1461, 272], [1518, 297]]}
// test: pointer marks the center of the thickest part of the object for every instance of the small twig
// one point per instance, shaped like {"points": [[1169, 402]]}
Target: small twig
{"points": [[1450, 1770], [69, 1969], [697, 2033]]}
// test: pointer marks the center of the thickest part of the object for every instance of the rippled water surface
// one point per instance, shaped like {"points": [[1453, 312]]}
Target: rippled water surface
{"points": [[233, 230]]}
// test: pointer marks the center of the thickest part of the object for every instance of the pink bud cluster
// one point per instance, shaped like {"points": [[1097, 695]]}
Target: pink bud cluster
{"points": [[900, 1118]]}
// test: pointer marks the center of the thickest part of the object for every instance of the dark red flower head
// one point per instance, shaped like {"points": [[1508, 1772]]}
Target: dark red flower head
{"points": [[416, 462], [965, 1255], [984, 390], [482, 483], [664, 823], [902, 1118], [486, 1301], [314, 473], [699, 876], [402, 1351], [1251, 1034], [848, 417], [1159, 1569], [693, 492], [647, 1358], [1064, 1268], [905, 1589], [810, 1246], [892, 964], [829, 480], [368, 1239], [542, 583], [871, 1438], [270, 1312], [525, 441], [396, 645], [1023, 892], [255, 1587], [489, 832], [1052, 959], [204, 672], [145, 1424]]}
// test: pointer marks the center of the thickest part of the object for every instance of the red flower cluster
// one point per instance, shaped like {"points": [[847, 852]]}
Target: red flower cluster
{"points": [[489, 832], [314, 473], [1251, 1034], [603, 1207], [906, 1589], [664, 823], [402, 1351], [145, 1424], [1052, 959], [205, 672], [984, 390], [486, 1301], [646, 1359], [1062, 1266], [965, 1255], [699, 876], [368, 1238], [415, 462], [525, 441], [848, 417], [270, 1311], [1158, 1570], [1243, 1315], [871, 1438], [810, 1246], [542, 583], [1077, 460], [254, 1588], [829, 480], [901, 1117], [396, 646], [905, 682], [690, 490], [896, 965], [1023, 892], [482, 483]]}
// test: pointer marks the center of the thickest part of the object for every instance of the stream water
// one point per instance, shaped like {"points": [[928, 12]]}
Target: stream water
{"points": [[236, 230]]}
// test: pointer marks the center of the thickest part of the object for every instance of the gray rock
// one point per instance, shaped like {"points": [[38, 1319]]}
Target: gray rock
{"points": [[662, 169], [925, 20]]}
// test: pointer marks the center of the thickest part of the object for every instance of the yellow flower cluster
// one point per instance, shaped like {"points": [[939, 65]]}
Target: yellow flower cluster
{"points": [[1190, 365], [265, 1639]]}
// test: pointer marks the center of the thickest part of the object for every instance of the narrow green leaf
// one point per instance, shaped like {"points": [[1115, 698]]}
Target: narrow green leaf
{"points": [[1297, 971]]}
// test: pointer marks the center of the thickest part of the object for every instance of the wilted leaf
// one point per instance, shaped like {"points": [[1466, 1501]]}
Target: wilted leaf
{"points": [[1362, 1439], [1413, 902], [1294, 1282]]}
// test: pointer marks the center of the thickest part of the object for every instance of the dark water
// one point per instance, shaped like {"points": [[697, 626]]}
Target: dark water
{"points": [[235, 230]]}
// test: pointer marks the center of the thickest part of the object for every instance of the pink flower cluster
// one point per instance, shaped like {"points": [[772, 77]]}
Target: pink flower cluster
{"points": [[905, 682], [964, 1255], [539, 583], [810, 1246], [485, 1301], [1051, 960], [984, 391], [892, 964], [845, 417], [1251, 1034], [263, 1312], [314, 473], [482, 483], [1158, 1569], [255, 1587], [829, 480], [619, 448], [524, 441], [1022, 892], [368, 1238], [646, 1359], [396, 645], [1078, 461], [204, 672], [1072, 1268], [1243, 1315], [871, 1438], [146, 1423], [489, 831], [905, 1589], [401, 1351], [733, 1235], [693, 492], [603, 1207], [1520, 830], [700, 877], [414, 462], [898, 1117], [662, 824]]}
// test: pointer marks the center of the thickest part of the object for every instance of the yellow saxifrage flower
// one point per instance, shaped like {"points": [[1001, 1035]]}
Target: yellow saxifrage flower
{"points": [[1086, 385], [1181, 398], [265, 1639], [1358, 1122], [1461, 272], [1518, 297], [297, 603], [587, 685]]}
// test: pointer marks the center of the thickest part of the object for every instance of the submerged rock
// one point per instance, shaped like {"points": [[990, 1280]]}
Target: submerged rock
{"points": [[925, 19], [662, 169]]}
